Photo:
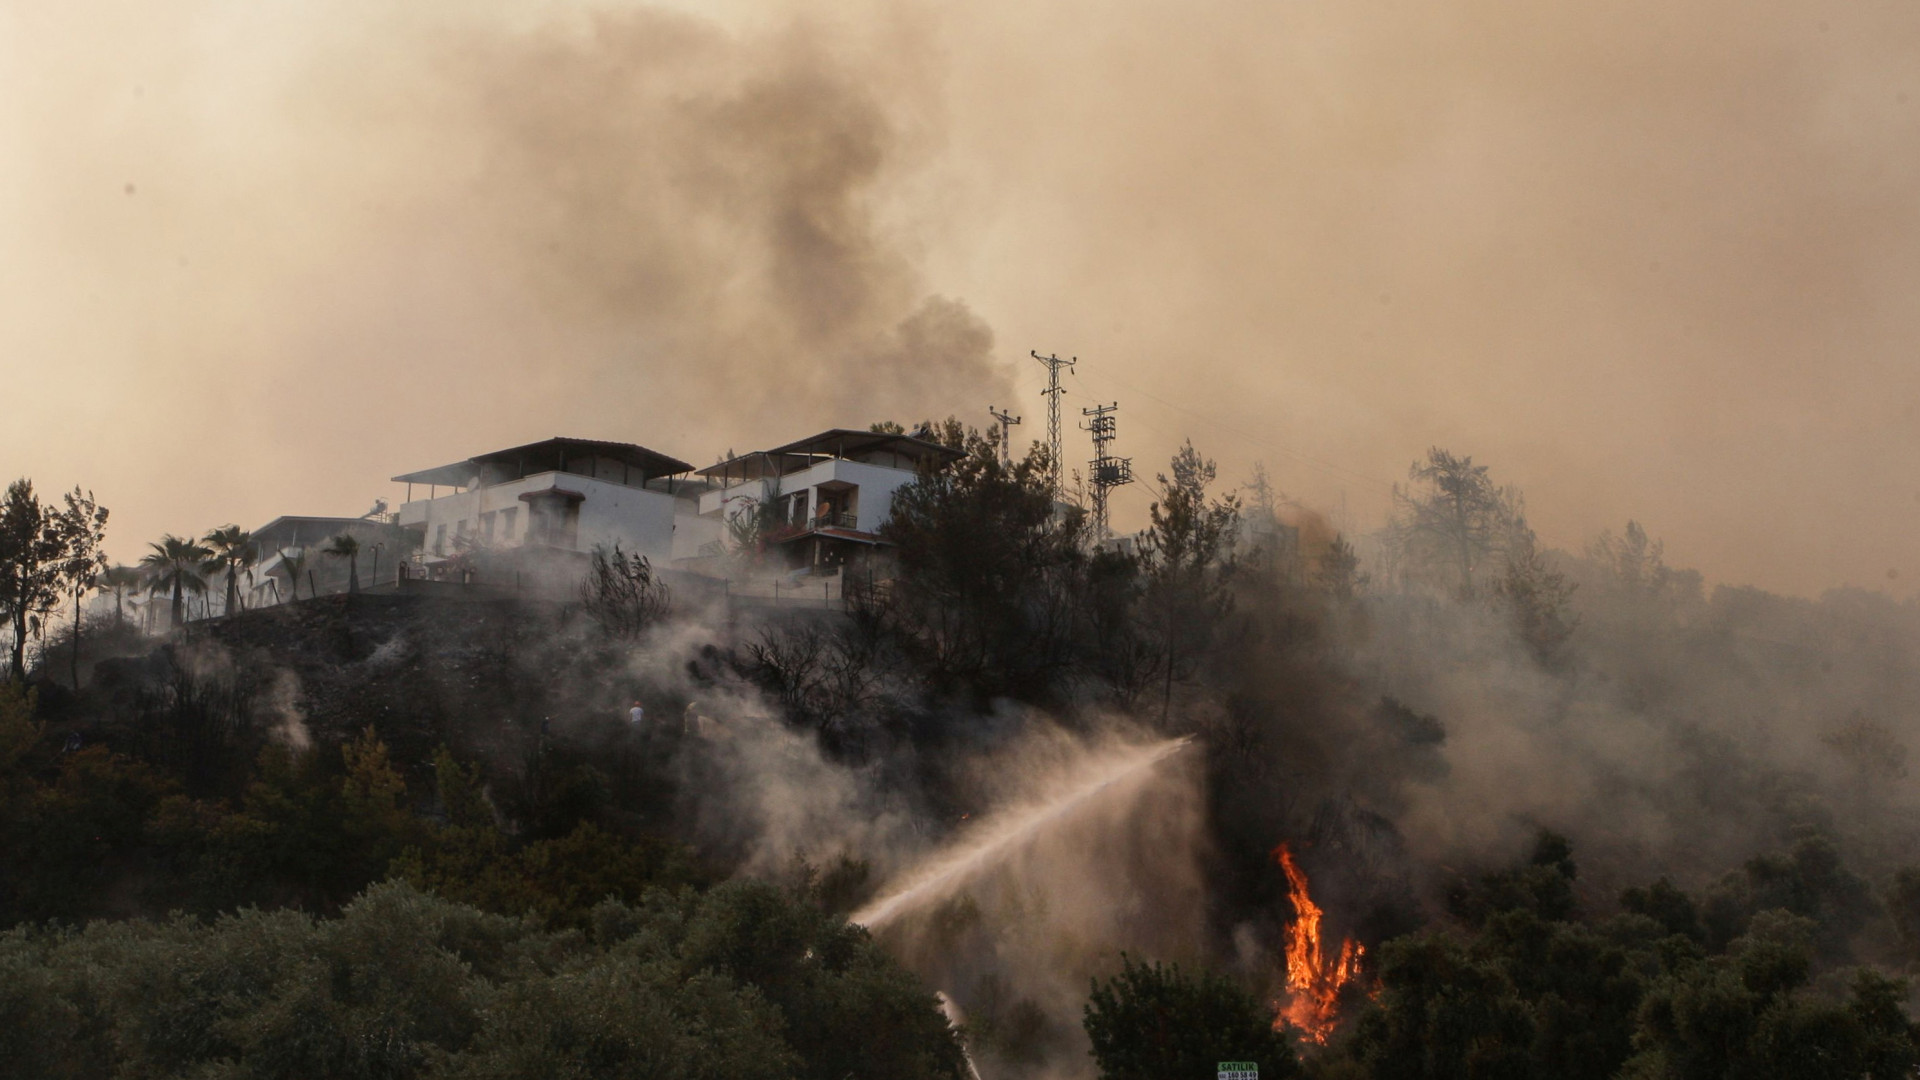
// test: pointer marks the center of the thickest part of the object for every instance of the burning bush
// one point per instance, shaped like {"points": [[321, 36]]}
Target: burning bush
{"points": [[1316, 976]]}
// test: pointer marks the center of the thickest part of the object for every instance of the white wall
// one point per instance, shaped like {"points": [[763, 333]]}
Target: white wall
{"points": [[691, 533], [714, 501], [641, 520], [877, 483]]}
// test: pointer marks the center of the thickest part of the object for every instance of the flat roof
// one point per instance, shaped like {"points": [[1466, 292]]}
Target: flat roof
{"points": [[295, 519], [293, 525], [844, 442], [839, 442], [550, 455]]}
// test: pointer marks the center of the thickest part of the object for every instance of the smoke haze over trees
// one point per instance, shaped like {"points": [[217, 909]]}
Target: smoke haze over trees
{"points": [[1671, 837], [1563, 672]]}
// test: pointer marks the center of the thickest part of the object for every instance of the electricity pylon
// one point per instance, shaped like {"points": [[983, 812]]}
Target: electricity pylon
{"points": [[1106, 471], [1005, 422], [1052, 394]]}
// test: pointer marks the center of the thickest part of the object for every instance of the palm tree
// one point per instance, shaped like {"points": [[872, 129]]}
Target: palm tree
{"points": [[177, 565], [253, 582], [293, 561], [233, 550], [346, 547], [117, 580]]}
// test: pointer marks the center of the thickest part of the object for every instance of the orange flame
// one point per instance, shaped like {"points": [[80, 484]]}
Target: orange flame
{"points": [[1313, 984]]}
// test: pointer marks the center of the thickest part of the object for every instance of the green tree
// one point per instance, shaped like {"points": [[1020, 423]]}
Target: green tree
{"points": [[1443, 1013], [1528, 994], [1339, 571], [615, 1016], [1903, 906], [293, 563], [1452, 519], [989, 574], [178, 566], [1636, 595], [1543, 885], [1151, 1022], [1667, 905], [751, 522], [1583, 989], [117, 580], [1265, 540], [44, 553], [401, 985], [373, 803], [1635, 562], [1872, 752], [1185, 552], [1538, 597], [84, 525], [1810, 880], [461, 791], [346, 546], [1123, 650], [66, 842], [233, 551], [850, 1010], [1746, 1014], [19, 731]]}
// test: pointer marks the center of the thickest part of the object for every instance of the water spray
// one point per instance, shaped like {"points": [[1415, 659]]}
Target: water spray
{"points": [[991, 841], [957, 1021]]}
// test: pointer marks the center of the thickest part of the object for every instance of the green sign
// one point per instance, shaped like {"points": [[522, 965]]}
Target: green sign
{"points": [[1239, 1070]]}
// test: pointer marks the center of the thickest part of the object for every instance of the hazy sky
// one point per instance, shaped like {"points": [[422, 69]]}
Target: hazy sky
{"points": [[1647, 260]]}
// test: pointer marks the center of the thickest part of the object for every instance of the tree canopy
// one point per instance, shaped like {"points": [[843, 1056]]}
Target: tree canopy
{"points": [[177, 566], [46, 553]]}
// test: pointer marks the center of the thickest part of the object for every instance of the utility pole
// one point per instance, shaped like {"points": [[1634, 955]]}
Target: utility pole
{"points": [[1052, 394], [1005, 422], [1106, 471]]}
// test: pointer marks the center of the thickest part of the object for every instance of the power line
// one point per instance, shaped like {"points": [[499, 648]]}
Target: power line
{"points": [[1255, 440]]}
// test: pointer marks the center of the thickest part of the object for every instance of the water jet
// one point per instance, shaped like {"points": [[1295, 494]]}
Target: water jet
{"points": [[1004, 832]]}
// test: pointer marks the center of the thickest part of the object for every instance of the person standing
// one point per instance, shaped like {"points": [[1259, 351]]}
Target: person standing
{"points": [[636, 716]]}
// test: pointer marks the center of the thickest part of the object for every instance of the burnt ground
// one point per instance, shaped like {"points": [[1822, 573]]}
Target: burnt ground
{"points": [[528, 688]]}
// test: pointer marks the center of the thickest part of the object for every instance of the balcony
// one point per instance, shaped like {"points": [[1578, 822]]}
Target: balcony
{"points": [[793, 530]]}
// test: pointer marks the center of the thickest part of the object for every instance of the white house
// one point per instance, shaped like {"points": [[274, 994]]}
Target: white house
{"points": [[565, 495], [831, 492], [382, 546]]}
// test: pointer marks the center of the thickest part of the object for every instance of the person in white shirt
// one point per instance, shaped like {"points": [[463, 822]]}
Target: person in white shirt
{"points": [[636, 715]]}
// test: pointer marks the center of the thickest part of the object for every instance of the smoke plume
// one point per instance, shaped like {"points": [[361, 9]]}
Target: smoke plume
{"points": [[401, 239]]}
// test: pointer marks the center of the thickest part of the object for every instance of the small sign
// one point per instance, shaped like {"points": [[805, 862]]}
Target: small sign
{"points": [[1239, 1070]]}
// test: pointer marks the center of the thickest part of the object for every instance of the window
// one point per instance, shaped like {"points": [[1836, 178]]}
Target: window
{"points": [[486, 526], [553, 519], [440, 539], [506, 522]]}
